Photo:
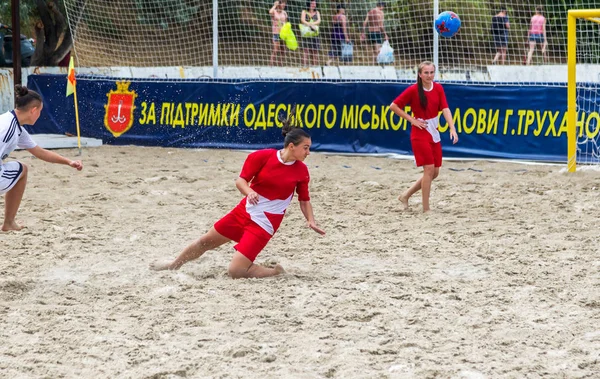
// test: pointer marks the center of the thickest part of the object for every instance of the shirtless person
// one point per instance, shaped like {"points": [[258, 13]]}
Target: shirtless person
{"points": [[376, 31]]}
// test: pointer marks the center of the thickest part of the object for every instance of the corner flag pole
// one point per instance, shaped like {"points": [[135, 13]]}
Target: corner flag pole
{"points": [[77, 119], [72, 89]]}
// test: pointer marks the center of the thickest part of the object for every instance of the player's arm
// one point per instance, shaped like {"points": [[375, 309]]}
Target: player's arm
{"points": [[448, 116], [52, 157], [307, 211], [244, 187], [402, 113]]}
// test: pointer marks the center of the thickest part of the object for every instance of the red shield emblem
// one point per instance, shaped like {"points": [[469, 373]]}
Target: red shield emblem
{"points": [[119, 109]]}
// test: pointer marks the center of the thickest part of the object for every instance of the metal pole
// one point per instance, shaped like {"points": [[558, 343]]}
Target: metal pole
{"points": [[215, 38], [571, 92], [16, 43], [436, 37]]}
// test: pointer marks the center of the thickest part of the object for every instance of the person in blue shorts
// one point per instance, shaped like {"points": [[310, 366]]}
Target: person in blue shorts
{"points": [[500, 26]]}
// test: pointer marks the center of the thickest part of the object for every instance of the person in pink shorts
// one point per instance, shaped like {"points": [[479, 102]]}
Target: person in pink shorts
{"points": [[537, 34], [426, 99]]}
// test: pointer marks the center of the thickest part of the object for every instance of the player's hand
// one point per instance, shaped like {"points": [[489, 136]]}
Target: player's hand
{"points": [[252, 198], [77, 165], [419, 123], [453, 136], [313, 226]]}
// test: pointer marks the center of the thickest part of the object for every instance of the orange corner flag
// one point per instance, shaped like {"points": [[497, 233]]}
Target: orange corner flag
{"points": [[71, 78]]}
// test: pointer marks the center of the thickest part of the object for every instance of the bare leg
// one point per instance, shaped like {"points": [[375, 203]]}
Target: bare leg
{"points": [[544, 54], [503, 55], [409, 192], [12, 202], [418, 185], [282, 53], [242, 267], [530, 53], [376, 50], [274, 53], [210, 240], [429, 173], [496, 57]]}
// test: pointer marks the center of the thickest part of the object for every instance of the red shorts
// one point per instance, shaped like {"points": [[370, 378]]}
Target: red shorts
{"points": [[427, 152], [239, 227]]}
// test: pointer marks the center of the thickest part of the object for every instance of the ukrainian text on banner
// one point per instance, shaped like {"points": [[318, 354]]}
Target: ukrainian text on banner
{"points": [[349, 117]]}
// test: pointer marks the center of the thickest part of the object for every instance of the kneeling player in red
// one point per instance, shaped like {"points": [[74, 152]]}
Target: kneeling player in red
{"points": [[268, 180]]}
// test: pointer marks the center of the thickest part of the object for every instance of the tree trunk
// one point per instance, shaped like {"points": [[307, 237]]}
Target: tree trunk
{"points": [[53, 36]]}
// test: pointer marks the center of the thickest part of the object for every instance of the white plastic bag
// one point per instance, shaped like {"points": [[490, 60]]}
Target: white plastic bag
{"points": [[347, 51], [386, 54], [308, 31]]}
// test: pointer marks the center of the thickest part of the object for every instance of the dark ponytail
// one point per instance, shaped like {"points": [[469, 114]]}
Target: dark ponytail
{"points": [[290, 132], [24, 97], [422, 97]]}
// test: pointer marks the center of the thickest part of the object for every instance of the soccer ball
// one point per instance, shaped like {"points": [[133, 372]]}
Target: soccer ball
{"points": [[447, 24]]}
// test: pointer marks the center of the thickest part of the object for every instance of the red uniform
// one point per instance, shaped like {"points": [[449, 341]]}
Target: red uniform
{"points": [[253, 225], [426, 145]]}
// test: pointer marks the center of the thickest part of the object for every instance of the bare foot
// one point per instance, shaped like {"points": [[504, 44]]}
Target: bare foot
{"points": [[8, 226], [160, 266], [404, 200], [279, 269]]}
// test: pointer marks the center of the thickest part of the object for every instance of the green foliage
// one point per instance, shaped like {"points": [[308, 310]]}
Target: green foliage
{"points": [[165, 12], [28, 13]]}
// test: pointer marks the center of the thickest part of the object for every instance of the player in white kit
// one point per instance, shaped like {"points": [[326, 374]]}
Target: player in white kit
{"points": [[13, 174]]}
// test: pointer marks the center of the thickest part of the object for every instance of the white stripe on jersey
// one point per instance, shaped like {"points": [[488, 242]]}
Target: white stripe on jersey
{"points": [[257, 212], [432, 128]]}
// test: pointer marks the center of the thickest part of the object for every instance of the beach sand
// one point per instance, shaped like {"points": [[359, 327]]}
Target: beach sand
{"points": [[500, 280]]}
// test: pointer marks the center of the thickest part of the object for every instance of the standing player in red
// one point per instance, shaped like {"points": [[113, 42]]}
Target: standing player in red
{"points": [[426, 99], [268, 180]]}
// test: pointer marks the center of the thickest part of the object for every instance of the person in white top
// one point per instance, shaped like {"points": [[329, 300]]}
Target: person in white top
{"points": [[13, 174]]}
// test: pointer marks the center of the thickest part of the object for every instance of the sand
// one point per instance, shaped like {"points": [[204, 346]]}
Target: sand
{"points": [[500, 280]]}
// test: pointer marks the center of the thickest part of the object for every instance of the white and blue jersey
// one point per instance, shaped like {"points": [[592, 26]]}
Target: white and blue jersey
{"points": [[12, 135]]}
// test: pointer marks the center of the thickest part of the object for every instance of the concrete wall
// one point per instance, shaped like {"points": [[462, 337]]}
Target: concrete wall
{"points": [[490, 74]]}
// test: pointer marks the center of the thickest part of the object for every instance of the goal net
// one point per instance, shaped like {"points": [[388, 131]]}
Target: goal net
{"points": [[166, 33], [583, 87]]}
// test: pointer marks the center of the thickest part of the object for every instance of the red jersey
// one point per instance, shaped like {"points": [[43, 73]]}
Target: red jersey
{"points": [[275, 182], [436, 101]]}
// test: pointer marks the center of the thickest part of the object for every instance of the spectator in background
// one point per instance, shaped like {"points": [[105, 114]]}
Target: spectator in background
{"points": [[311, 18], [537, 34], [278, 18], [373, 24], [339, 34], [500, 26]]}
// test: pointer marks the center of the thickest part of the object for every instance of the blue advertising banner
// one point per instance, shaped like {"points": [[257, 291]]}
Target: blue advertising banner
{"points": [[508, 122]]}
